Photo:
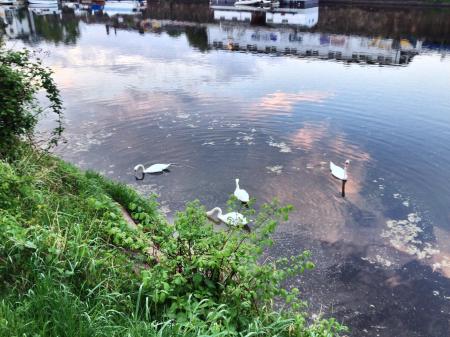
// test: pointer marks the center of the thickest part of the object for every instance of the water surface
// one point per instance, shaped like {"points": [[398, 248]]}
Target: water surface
{"points": [[226, 95]]}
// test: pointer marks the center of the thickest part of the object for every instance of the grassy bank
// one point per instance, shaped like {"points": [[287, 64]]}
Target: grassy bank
{"points": [[72, 265]]}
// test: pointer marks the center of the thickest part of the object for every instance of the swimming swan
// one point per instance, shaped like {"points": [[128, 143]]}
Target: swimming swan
{"points": [[339, 172], [241, 194], [232, 218], [155, 168]]}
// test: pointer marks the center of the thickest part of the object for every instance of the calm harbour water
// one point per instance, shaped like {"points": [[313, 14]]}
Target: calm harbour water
{"points": [[270, 100]]}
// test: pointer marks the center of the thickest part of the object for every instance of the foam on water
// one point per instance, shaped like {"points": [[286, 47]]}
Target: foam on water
{"points": [[277, 169], [404, 236]]}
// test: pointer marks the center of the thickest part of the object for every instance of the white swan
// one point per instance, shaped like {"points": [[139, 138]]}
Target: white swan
{"points": [[232, 218], [339, 172], [241, 194], [155, 168]]}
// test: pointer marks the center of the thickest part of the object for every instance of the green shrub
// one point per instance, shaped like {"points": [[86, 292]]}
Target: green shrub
{"points": [[22, 77]]}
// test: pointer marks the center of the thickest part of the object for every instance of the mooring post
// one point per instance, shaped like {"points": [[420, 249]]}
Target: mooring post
{"points": [[343, 188]]}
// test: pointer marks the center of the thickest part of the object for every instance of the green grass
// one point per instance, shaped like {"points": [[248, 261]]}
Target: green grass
{"points": [[70, 265]]}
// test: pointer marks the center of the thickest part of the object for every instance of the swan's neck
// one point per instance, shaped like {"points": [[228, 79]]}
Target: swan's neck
{"points": [[237, 184], [216, 210], [139, 166]]}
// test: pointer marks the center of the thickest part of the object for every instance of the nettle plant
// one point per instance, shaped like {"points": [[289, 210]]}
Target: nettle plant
{"points": [[22, 78], [224, 267]]}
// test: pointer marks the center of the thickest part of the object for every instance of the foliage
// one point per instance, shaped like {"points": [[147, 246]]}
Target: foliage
{"points": [[22, 77], [71, 265]]}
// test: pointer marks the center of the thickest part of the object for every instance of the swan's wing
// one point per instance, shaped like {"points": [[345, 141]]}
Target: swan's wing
{"points": [[152, 169], [242, 219], [242, 195], [155, 168], [337, 171], [235, 219]]}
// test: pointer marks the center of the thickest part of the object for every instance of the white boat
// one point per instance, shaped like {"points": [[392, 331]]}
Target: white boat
{"points": [[43, 2], [270, 3], [265, 3], [11, 2], [247, 2]]}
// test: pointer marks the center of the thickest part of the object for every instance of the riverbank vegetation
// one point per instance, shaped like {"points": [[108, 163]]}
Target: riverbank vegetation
{"points": [[81, 255]]}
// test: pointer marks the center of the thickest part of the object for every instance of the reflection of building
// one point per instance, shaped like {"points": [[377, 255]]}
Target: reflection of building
{"points": [[34, 24], [277, 30], [17, 26], [329, 46], [232, 32]]}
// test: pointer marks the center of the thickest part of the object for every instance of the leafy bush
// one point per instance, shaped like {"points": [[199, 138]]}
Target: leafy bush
{"points": [[22, 77]]}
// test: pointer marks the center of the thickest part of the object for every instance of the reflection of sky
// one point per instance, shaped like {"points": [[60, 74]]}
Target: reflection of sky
{"points": [[146, 88], [274, 122], [134, 61], [157, 70]]}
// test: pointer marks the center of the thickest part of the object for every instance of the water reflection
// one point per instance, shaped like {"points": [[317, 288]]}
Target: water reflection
{"points": [[318, 45], [278, 31], [153, 86], [40, 23], [233, 34]]}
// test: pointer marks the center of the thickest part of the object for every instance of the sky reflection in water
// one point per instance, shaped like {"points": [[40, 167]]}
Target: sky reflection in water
{"points": [[184, 92]]}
